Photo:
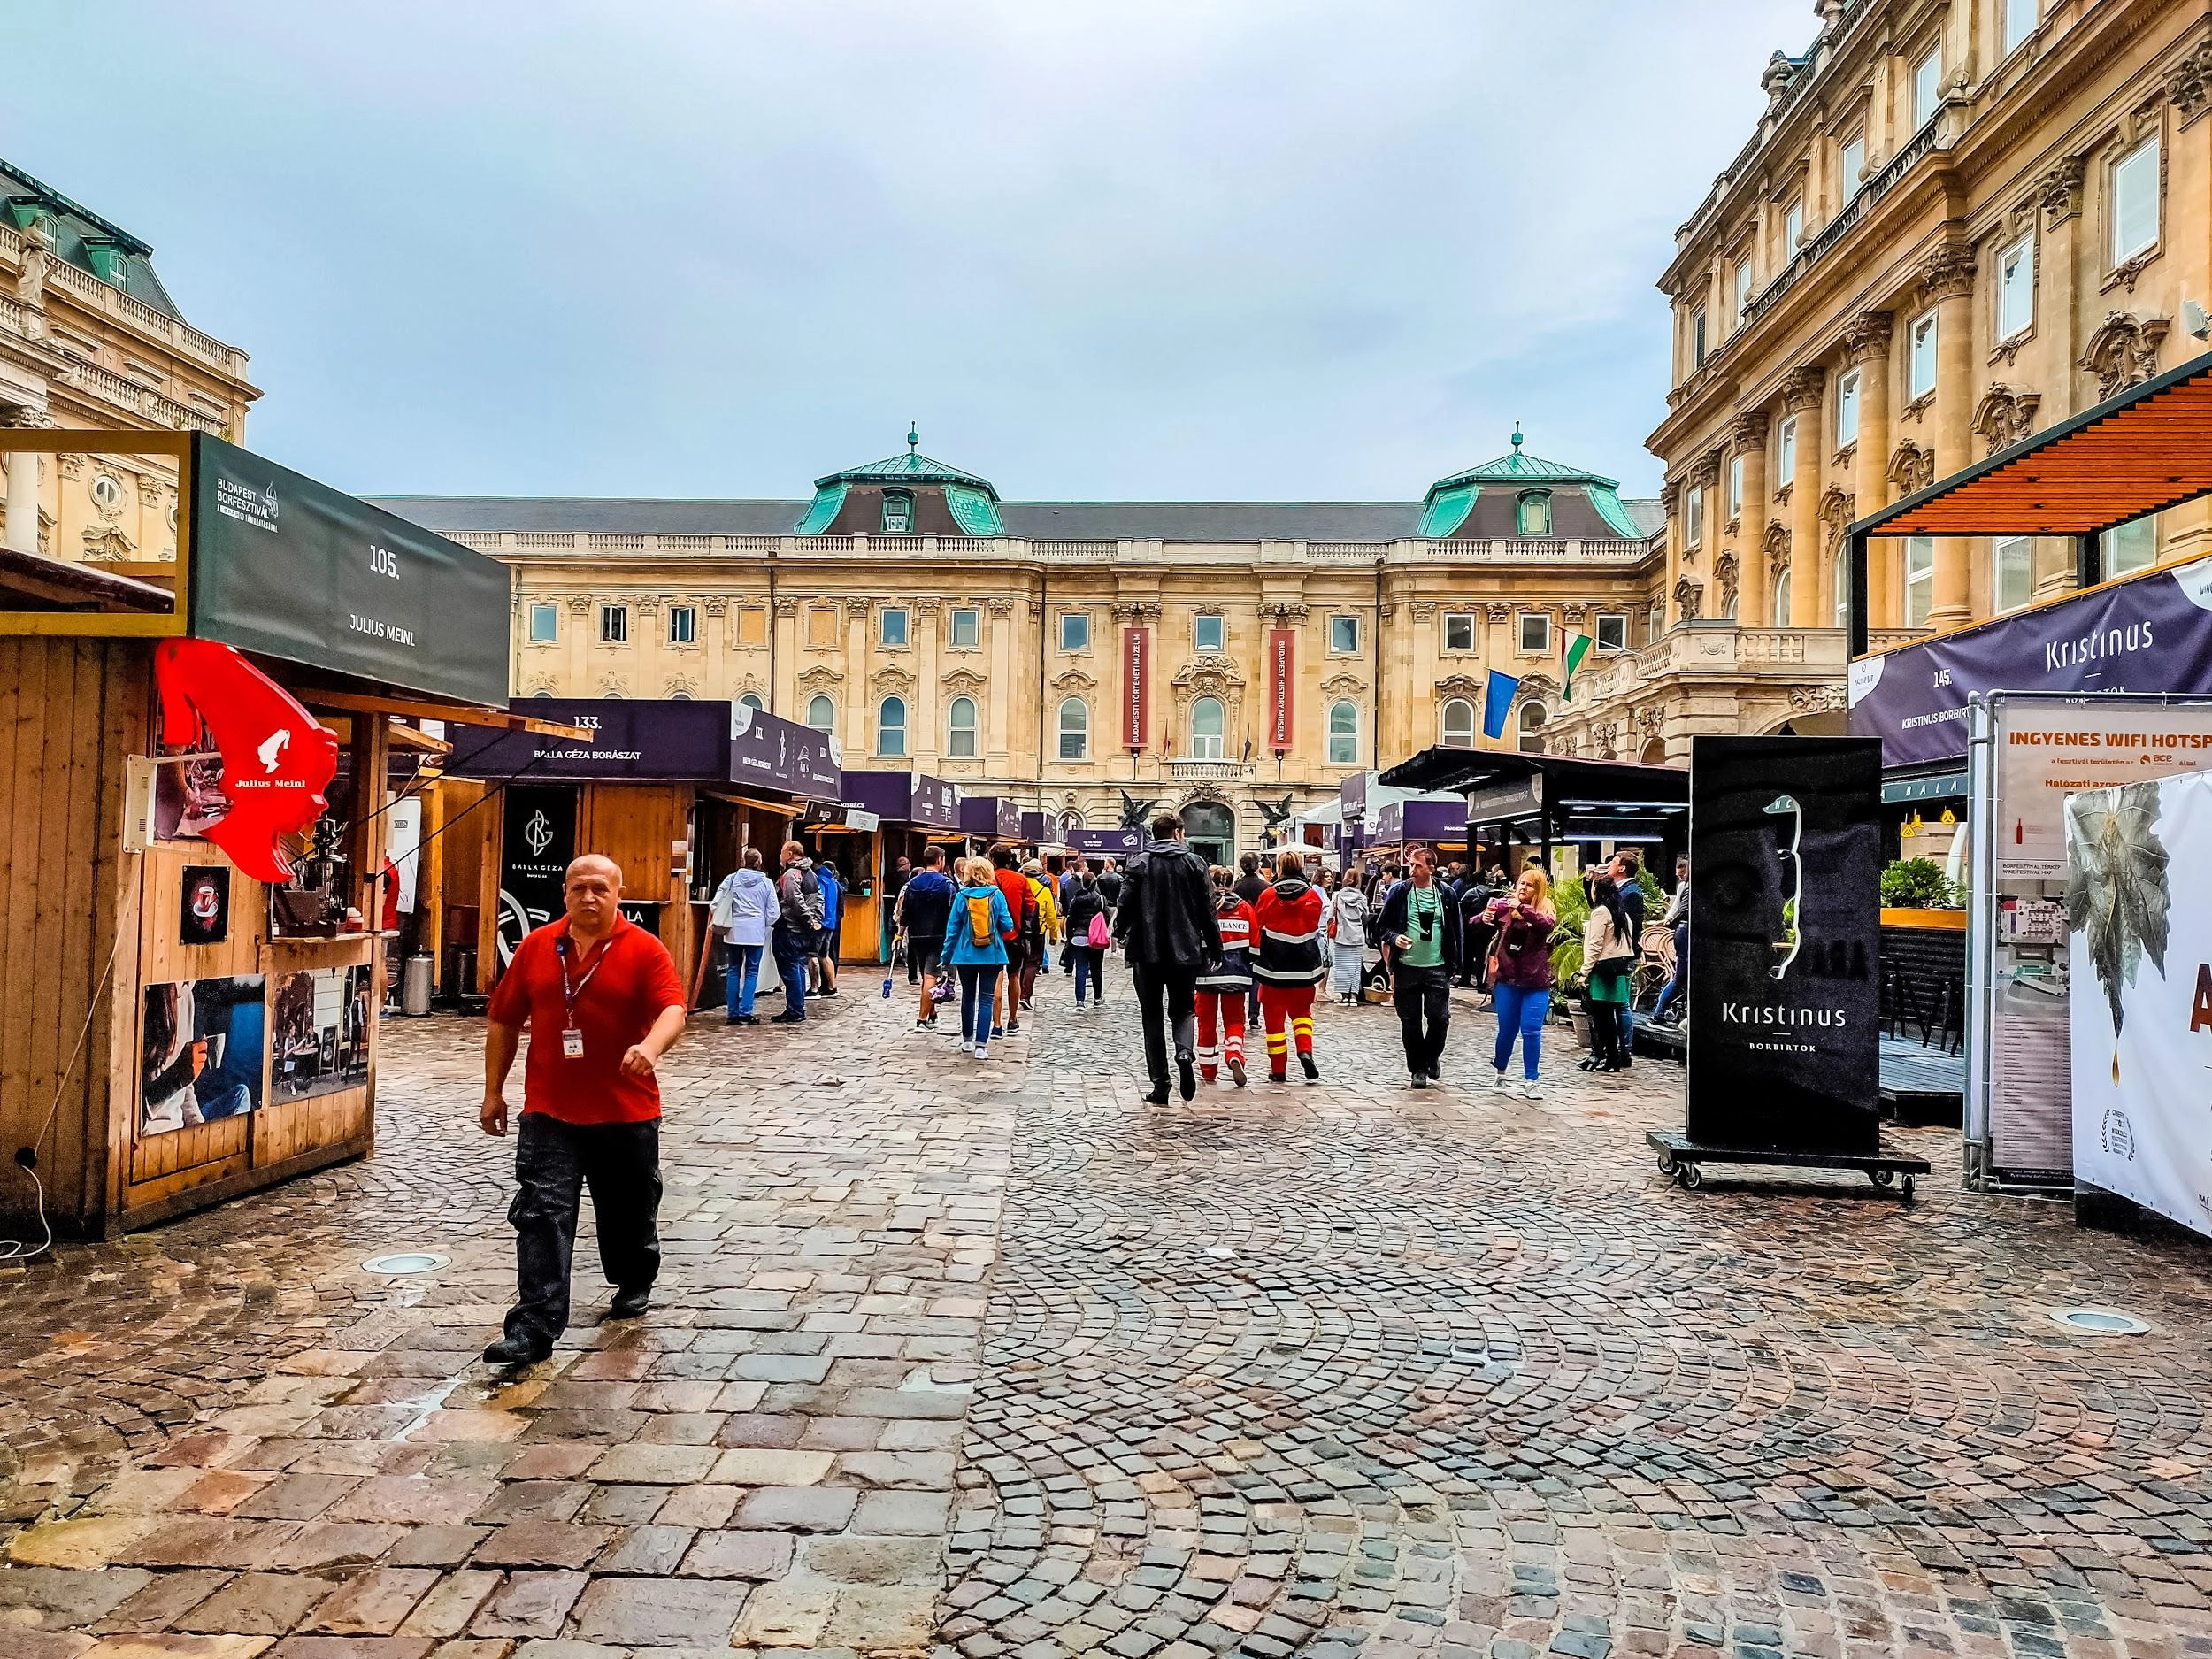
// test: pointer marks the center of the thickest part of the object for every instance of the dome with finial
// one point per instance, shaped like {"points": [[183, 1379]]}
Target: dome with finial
{"points": [[1522, 496], [903, 495]]}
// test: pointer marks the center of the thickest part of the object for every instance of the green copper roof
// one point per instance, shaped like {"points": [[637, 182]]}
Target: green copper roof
{"points": [[1518, 467], [913, 468]]}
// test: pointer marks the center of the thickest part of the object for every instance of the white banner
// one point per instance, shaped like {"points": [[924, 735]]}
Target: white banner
{"points": [[2140, 966]]}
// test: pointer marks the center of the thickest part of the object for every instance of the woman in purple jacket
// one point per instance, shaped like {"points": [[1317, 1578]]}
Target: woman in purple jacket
{"points": [[1521, 975]]}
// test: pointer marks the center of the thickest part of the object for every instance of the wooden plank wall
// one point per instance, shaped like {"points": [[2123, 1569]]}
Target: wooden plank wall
{"points": [[70, 711], [634, 824]]}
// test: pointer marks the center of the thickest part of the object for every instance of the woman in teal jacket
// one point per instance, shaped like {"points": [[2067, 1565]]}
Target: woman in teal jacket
{"points": [[979, 903]]}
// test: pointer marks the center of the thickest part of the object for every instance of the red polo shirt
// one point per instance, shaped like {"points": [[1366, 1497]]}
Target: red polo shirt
{"points": [[1015, 886], [619, 989]]}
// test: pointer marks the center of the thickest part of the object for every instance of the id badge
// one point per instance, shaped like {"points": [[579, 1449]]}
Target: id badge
{"points": [[572, 1044]]}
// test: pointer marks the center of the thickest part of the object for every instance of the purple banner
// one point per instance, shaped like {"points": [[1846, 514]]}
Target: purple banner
{"points": [[679, 741], [1419, 821], [992, 815], [1105, 843], [2151, 634], [769, 752], [905, 798]]}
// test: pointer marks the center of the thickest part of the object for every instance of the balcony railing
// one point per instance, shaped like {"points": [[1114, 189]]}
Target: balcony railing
{"points": [[1184, 771], [1414, 550], [1923, 143]]}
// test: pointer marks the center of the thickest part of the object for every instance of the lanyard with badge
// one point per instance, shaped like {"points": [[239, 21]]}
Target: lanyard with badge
{"points": [[572, 1033]]}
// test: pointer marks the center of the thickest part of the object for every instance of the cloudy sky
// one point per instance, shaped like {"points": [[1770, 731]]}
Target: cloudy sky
{"points": [[1149, 248]]}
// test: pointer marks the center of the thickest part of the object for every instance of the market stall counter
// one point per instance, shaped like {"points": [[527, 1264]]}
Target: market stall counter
{"points": [[914, 810]]}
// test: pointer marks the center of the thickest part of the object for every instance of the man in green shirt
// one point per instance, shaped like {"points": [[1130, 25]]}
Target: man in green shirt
{"points": [[1424, 942]]}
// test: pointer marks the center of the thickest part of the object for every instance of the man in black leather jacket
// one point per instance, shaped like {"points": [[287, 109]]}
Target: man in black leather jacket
{"points": [[1165, 925]]}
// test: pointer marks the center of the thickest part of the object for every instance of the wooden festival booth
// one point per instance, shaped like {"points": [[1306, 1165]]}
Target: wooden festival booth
{"points": [[195, 817]]}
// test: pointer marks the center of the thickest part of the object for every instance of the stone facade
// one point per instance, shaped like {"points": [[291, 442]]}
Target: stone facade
{"points": [[2023, 222]]}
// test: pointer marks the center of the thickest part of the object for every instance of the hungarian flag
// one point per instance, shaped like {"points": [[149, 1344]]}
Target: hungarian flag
{"points": [[1577, 647]]}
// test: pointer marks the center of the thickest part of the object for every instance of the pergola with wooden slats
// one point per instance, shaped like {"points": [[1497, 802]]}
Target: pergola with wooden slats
{"points": [[2147, 450]]}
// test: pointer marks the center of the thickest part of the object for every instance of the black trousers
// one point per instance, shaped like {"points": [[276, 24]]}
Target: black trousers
{"points": [[1166, 995], [1605, 1033], [554, 1162], [1423, 999]]}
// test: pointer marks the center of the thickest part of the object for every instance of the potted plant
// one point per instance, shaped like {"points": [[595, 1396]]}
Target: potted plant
{"points": [[1573, 905]]}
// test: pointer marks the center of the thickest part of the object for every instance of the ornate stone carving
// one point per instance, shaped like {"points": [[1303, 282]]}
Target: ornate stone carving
{"points": [[1775, 544], [890, 678], [1801, 388], [1498, 613], [1572, 615], [1866, 339], [1212, 674], [2061, 190], [1912, 467], [105, 541], [2128, 272], [1670, 494], [2004, 417], [30, 417], [1949, 274], [1688, 597], [680, 686], [1133, 611], [1074, 679], [1838, 508], [1818, 699], [961, 683], [1342, 685], [785, 608], [1724, 583], [819, 678], [1425, 610], [30, 277], [580, 604], [1706, 474], [717, 604], [1001, 606], [2124, 351], [1459, 686], [2189, 86], [1750, 431], [1288, 616]]}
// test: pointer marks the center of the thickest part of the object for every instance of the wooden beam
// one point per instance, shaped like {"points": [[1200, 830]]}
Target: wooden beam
{"points": [[452, 713]]}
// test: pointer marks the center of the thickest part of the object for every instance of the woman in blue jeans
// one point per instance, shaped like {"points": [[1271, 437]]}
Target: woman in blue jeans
{"points": [[975, 945], [1521, 978], [744, 904]]}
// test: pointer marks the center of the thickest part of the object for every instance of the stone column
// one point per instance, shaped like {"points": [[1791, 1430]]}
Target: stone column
{"points": [[1671, 503], [1748, 439], [859, 701], [786, 685], [1947, 284], [1700, 562], [1801, 395], [926, 720], [1000, 705], [1867, 339], [21, 534]]}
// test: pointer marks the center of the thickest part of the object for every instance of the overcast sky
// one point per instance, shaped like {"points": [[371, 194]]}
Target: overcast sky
{"points": [[1151, 248]]}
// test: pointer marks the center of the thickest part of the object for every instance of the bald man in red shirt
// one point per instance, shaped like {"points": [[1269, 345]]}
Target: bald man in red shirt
{"points": [[603, 1003]]}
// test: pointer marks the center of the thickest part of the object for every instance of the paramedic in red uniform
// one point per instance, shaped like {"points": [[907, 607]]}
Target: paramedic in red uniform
{"points": [[603, 1003]]}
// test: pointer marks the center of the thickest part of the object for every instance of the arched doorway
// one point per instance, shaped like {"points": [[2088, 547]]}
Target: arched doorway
{"points": [[1211, 829]]}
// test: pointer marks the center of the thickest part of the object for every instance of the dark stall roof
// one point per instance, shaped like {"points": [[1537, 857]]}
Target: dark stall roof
{"points": [[1566, 777]]}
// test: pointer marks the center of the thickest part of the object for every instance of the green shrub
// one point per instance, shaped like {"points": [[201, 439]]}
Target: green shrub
{"points": [[1919, 884], [1573, 905]]}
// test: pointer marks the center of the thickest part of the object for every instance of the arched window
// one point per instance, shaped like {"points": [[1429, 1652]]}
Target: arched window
{"points": [[1532, 719], [1208, 722], [1344, 734], [679, 696], [1458, 726], [751, 700], [1782, 600], [1075, 729], [891, 727], [546, 695], [898, 513], [1533, 512], [821, 714], [1843, 589], [960, 729]]}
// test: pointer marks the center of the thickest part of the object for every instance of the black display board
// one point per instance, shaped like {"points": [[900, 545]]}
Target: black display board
{"points": [[1785, 943], [539, 841], [679, 740]]}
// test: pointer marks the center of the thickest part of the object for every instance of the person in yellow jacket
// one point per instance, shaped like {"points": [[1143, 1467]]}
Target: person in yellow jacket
{"points": [[1048, 920]]}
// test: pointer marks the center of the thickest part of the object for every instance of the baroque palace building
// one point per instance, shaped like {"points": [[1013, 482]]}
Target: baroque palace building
{"points": [[1958, 222], [88, 337], [1086, 657]]}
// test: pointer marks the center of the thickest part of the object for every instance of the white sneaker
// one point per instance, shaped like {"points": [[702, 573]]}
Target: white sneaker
{"points": [[1498, 1082], [981, 1051], [1529, 1091]]}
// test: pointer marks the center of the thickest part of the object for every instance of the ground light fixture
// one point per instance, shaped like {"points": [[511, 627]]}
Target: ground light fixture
{"points": [[405, 1264], [2097, 1322]]}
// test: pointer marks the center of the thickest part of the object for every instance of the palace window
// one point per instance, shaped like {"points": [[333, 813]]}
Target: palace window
{"points": [[1612, 633], [1919, 579], [1786, 450], [967, 629], [1843, 593], [2135, 202], [891, 727], [544, 624], [821, 714], [2020, 21], [1743, 289], [1075, 729], [1847, 410], [1208, 724], [1532, 720], [2015, 574], [751, 700], [2015, 288], [1782, 600], [1927, 86], [1536, 630], [614, 624], [1208, 633], [2131, 547], [1075, 630], [898, 513], [1853, 163], [1344, 636], [1532, 512], [1697, 338], [1455, 723], [1920, 369], [891, 630], [1793, 228], [960, 729], [1343, 734], [1459, 631], [683, 625], [1735, 488], [1693, 518]]}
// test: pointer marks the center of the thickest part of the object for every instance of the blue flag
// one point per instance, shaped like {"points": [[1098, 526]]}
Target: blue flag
{"points": [[1497, 701]]}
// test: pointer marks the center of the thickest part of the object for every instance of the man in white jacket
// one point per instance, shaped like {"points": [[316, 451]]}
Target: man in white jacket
{"points": [[744, 905]]}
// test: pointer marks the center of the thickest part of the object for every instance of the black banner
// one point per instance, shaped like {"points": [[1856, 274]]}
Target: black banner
{"points": [[1785, 943], [294, 569], [678, 741], [535, 854]]}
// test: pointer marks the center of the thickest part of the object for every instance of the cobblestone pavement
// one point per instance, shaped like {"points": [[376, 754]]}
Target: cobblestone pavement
{"points": [[1337, 1369]]}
